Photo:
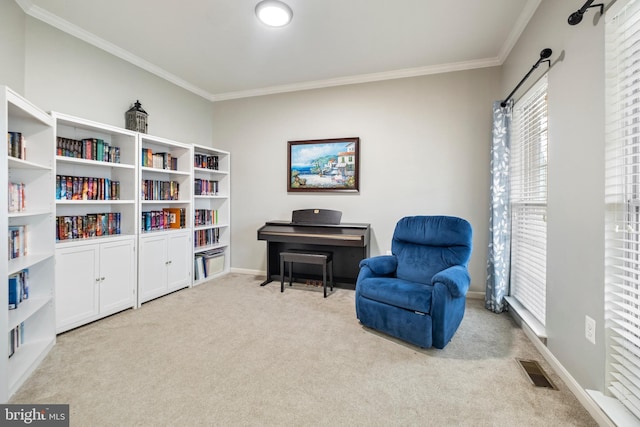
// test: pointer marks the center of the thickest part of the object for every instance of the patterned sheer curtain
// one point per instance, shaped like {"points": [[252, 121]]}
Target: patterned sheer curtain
{"points": [[500, 215]]}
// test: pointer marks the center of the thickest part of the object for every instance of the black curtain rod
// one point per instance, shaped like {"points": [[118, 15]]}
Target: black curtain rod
{"points": [[544, 54]]}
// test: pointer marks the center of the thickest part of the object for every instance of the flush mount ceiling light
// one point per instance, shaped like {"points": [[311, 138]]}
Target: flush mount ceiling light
{"points": [[274, 13]]}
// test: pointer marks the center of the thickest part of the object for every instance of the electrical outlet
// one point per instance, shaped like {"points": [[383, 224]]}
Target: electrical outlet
{"points": [[590, 329]]}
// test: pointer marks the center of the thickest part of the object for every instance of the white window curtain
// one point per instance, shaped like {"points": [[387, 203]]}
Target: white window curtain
{"points": [[622, 201], [529, 201]]}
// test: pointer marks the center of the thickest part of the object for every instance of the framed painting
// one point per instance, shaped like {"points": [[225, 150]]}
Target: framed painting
{"points": [[330, 165]]}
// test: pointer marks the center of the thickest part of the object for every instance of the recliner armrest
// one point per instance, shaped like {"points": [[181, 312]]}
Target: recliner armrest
{"points": [[381, 265], [455, 278]]}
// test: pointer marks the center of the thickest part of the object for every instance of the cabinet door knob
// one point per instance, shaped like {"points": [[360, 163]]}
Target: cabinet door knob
{"points": [[97, 279], [102, 278]]}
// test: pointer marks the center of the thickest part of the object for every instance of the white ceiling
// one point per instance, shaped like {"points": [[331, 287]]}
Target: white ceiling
{"points": [[218, 49]]}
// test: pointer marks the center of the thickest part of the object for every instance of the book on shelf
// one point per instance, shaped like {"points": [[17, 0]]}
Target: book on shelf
{"points": [[158, 160], [17, 201], [16, 145], [208, 263], [17, 241], [89, 149], [18, 288], [167, 218], [207, 237], [204, 187], [176, 217], [206, 217], [204, 161], [16, 338], [77, 227], [86, 188], [159, 190]]}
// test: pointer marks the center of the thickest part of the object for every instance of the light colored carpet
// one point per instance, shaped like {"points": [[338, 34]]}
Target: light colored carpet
{"points": [[232, 353]]}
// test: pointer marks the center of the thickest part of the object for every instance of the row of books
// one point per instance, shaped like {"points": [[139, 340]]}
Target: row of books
{"points": [[203, 187], [205, 217], [16, 338], [16, 197], [162, 220], [207, 237], [206, 264], [16, 145], [205, 161], [86, 188], [17, 241], [18, 288], [166, 161], [88, 149], [87, 226], [160, 190]]}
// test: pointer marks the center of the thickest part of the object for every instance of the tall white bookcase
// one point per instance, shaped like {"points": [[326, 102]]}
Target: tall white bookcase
{"points": [[166, 182], [34, 318], [90, 190], [97, 220], [212, 213]]}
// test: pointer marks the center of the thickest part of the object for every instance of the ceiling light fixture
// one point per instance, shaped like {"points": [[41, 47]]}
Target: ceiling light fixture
{"points": [[274, 13]]}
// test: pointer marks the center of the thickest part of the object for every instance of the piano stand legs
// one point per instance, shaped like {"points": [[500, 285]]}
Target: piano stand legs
{"points": [[266, 282]]}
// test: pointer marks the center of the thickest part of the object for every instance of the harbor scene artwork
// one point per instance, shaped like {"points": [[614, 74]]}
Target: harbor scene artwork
{"points": [[323, 165]]}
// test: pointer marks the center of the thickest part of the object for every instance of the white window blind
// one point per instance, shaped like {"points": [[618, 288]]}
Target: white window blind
{"points": [[622, 201], [528, 179]]}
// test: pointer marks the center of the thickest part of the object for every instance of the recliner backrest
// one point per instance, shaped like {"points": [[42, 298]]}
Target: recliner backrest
{"points": [[426, 245]]}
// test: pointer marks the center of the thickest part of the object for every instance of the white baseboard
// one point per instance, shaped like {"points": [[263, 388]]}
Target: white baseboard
{"points": [[248, 271], [581, 394], [475, 295]]}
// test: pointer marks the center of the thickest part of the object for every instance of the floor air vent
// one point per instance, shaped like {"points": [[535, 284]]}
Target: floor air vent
{"points": [[536, 374]]}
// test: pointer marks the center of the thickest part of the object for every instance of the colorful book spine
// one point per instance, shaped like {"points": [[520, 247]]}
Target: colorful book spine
{"points": [[88, 149], [88, 226]]}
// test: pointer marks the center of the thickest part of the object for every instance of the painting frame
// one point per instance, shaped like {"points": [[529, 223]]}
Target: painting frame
{"points": [[324, 165]]}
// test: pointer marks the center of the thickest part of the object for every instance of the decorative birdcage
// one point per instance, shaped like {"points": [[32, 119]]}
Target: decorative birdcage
{"points": [[136, 118]]}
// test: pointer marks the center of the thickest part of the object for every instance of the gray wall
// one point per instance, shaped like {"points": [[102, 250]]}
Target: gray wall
{"points": [[424, 150], [58, 72], [12, 45], [575, 260]]}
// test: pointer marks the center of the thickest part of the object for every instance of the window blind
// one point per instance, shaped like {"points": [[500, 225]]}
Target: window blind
{"points": [[528, 181], [622, 202]]}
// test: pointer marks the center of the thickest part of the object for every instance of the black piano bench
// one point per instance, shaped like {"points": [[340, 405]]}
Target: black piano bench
{"points": [[306, 257]]}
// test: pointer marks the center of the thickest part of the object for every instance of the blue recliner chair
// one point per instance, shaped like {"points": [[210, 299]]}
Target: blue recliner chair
{"points": [[418, 294]]}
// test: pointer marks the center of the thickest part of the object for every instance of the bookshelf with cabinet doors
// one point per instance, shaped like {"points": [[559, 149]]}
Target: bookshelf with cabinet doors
{"points": [[212, 215], [166, 217], [27, 175], [96, 198]]}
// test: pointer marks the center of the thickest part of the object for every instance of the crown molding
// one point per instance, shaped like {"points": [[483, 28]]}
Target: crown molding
{"points": [[362, 78], [55, 21], [527, 13]]}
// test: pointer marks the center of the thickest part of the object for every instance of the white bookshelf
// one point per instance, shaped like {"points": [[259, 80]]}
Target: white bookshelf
{"points": [[164, 259], [97, 219], [35, 316], [212, 213]]}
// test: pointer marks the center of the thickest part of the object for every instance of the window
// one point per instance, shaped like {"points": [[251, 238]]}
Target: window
{"points": [[622, 201], [528, 177]]}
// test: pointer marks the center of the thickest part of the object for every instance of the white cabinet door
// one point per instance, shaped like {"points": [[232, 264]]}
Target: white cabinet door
{"points": [[77, 279], [117, 276], [180, 258], [152, 273]]}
